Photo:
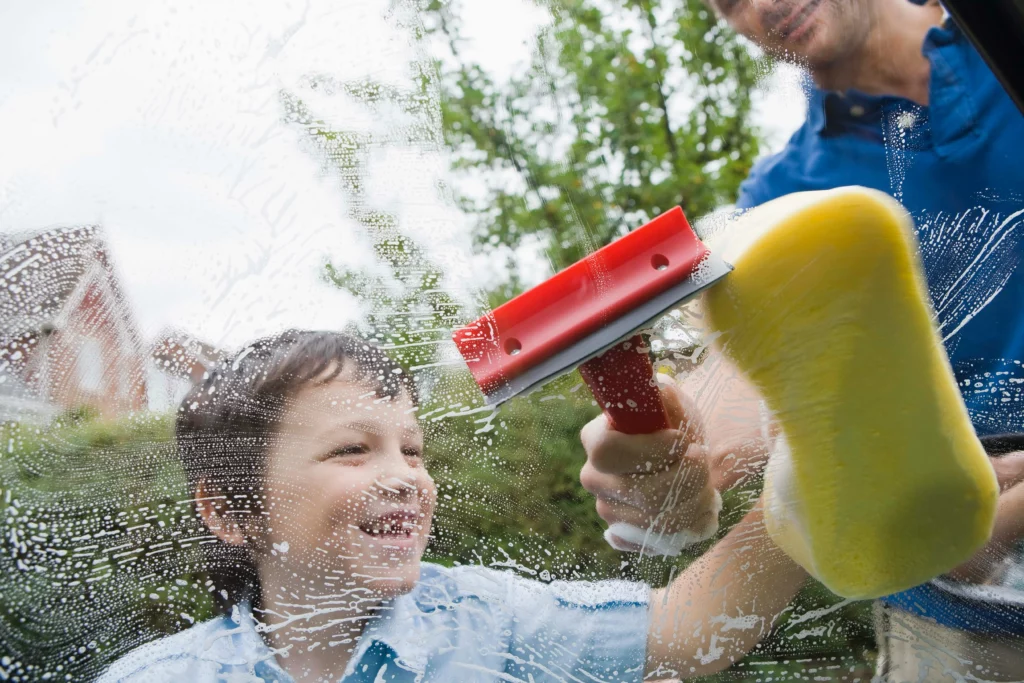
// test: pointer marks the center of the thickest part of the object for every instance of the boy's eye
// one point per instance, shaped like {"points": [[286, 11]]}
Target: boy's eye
{"points": [[412, 452], [351, 449]]}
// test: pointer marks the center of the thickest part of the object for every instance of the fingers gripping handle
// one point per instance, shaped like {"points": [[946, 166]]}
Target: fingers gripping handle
{"points": [[622, 381]]}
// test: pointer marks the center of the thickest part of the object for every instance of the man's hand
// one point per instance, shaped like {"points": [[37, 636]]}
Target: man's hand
{"points": [[658, 483], [1008, 529], [1009, 469]]}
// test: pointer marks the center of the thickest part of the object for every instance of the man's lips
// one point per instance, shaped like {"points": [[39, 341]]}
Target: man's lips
{"points": [[791, 26]]}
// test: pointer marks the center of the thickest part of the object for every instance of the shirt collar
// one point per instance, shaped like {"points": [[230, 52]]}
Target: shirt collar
{"points": [[950, 104], [397, 628], [238, 640], [408, 623]]}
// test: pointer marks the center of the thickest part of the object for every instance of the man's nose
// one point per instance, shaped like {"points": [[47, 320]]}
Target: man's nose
{"points": [[770, 12]]}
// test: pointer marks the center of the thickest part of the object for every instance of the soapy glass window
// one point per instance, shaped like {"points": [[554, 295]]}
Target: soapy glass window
{"points": [[182, 180]]}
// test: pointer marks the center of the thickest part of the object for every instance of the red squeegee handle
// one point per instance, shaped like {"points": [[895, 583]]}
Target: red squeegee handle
{"points": [[622, 381]]}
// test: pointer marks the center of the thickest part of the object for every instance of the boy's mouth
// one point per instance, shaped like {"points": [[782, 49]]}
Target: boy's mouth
{"points": [[393, 526]]}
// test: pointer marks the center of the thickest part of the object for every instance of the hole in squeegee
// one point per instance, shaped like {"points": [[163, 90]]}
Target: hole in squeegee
{"points": [[659, 262], [512, 346]]}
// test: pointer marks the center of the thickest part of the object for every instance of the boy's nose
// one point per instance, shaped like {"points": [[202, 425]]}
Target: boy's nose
{"points": [[396, 478], [394, 486]]}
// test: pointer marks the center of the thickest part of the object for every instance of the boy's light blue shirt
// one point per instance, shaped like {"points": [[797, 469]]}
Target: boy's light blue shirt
{"points": [[464, 624]]}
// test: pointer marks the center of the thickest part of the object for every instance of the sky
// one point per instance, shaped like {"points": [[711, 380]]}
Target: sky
{"points": [[161, 121]]}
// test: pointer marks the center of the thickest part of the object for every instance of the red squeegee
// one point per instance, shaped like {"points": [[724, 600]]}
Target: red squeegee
{"points": [[588, 316]]}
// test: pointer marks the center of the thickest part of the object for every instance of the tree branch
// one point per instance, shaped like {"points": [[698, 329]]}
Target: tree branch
{"points": [[670, 138]]}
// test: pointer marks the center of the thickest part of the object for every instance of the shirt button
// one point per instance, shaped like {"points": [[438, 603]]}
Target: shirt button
{"points": [[856, 110]]}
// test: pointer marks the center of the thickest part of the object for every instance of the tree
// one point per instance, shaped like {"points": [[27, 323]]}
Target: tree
{"points": [[406, 308], [629, 108]]}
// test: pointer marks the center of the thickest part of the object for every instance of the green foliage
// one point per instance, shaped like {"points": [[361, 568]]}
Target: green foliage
{"points": [[99, 544], [629, 108], [511, 477], [405, 308]]}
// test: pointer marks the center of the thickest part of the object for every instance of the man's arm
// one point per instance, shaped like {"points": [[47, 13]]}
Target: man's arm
{"points": [[722, 604]]}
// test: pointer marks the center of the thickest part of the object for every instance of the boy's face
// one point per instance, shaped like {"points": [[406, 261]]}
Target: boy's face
{"points": [[349, 502]]}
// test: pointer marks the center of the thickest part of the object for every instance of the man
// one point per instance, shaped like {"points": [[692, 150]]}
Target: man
{"points": [[902, 102]]}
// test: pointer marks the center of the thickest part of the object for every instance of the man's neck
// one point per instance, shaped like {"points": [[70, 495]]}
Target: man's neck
{"points": [[890, 61]]}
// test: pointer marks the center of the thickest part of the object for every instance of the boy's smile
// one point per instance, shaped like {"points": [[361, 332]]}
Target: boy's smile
{"points": [[399, 530]]}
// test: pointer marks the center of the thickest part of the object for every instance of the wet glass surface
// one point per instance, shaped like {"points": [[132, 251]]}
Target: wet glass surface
{"points": [[196, 487]]}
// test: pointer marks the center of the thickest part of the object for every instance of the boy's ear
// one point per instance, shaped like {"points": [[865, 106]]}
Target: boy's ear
{"points": [[212, 507]]}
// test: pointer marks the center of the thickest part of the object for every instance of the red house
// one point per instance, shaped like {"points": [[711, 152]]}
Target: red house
{"points": [[179, 361], [180, 355], [67, 335]]}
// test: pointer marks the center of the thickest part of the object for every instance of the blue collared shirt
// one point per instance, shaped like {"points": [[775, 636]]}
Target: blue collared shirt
{"points": [[466, 624], [956, 165]]}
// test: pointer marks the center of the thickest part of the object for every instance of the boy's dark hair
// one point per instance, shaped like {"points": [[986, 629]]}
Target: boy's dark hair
{"points": [[227, 421]]}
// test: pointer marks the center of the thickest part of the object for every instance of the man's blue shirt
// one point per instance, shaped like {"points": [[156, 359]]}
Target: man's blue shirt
{"points": [[956, 166]]}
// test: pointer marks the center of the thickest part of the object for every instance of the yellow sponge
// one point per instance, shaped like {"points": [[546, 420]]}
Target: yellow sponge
{"points": [[879, 483]]}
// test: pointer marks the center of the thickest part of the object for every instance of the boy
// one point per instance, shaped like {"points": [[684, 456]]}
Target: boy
{"points": [[305, 461]]}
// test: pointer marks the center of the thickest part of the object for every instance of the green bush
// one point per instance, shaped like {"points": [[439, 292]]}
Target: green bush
{"points": [[99, 549], [99, 545]]}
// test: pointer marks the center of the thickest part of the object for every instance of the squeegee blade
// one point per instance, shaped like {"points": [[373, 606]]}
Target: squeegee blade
{"points": [[710, 270]]}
